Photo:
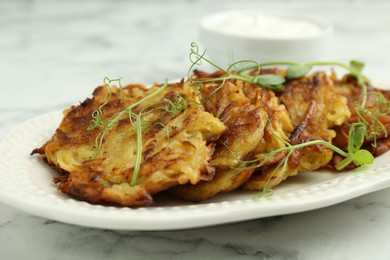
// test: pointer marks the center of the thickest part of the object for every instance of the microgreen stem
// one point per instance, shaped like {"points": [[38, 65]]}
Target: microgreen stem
{"points": [[294, 69], [291, 148], [266, 64], [138, 159]]}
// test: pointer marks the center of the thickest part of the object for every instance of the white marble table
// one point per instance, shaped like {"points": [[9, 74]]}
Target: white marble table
{"points": [[53, 53]]}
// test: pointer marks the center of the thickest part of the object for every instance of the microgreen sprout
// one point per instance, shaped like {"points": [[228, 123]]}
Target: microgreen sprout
{"points": [[297, 70], [238, 70], [358, 156], [354, 153], [269, 81], [370, 115]]}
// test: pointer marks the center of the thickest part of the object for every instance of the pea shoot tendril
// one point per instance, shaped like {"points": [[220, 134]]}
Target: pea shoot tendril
{"points": [[270, 81]]}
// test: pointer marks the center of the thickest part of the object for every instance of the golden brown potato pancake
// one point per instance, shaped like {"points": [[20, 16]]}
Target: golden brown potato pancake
{"points": [[314, 108], [169, 158], [244, 122]]}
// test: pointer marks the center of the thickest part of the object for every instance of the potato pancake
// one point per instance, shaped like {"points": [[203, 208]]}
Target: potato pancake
{"points": [[176, 146], [314, 108], [244, 124]]}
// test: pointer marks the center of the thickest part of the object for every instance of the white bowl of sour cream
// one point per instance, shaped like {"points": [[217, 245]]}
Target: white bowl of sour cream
{"points": [[263, 36]]}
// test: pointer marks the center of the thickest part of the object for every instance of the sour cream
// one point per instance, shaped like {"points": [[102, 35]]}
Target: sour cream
{"points": [[267, 26], [264, 36]]}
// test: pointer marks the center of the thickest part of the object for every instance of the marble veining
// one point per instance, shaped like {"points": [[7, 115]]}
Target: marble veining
{"points": [[53, 54]]}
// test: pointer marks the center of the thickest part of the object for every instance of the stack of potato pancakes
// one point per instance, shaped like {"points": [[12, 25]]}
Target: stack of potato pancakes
{"points": [[200, 139]]}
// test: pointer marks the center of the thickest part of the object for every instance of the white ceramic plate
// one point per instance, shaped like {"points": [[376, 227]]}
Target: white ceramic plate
{"points": [[26, 184]]}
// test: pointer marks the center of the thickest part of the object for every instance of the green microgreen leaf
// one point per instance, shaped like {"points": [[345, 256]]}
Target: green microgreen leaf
{"points": [[358, 156], [356, 137], [298, 71], [362, 157], [356, 67], [270, 79]]}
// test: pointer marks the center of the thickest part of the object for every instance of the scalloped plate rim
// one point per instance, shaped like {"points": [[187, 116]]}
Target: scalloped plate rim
{"points": [[226, 208]]}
